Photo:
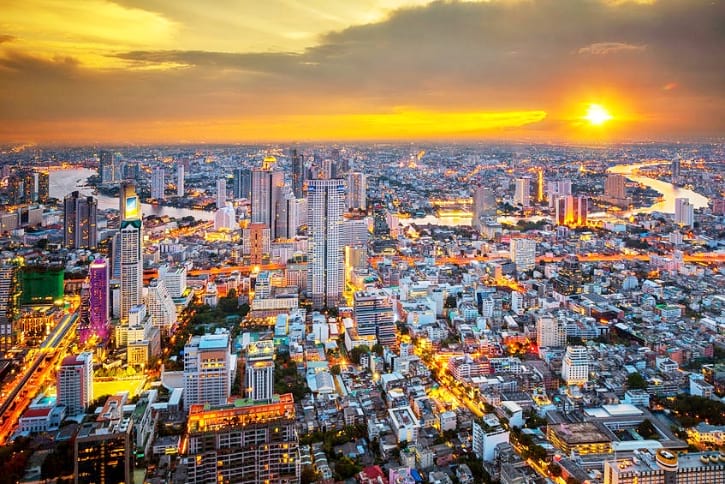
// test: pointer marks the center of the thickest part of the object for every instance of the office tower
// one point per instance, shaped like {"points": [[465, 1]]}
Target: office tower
{"points": [[299, 175], [79, 220], [684, 212], [180, 187], [161, 306], [257, 242], [174, 278], [373, 315], [131, 171], [484, 205], [221, 192], [267, 183], [225, 218], [287, 215], [42, 186], [571, 210], [614, 186], [522, 194], [259, 373], [523, 254], [8, 304], [356, 191], [575, 366], [209, 369], [158, 183], [242, 183], [355, 232], [75, 382], [325, 271], [242, 443], [103, 451], [675, 172], [550, 331], [540, 185], [98, 314], [106, 168], [131, 257]]}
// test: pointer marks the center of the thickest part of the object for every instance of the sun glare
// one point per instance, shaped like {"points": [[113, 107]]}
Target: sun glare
{"points": [[597, 115]]}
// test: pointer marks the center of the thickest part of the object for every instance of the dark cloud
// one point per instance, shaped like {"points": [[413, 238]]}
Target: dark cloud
{"points": [[445, 56], [6, 38]]}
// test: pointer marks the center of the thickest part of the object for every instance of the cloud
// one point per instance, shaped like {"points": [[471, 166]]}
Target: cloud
{"points": [[606, 48], [6, 38], [541, 56]]}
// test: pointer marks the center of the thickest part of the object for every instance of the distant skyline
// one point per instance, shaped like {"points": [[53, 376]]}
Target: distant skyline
{"points": [[156, 71]]}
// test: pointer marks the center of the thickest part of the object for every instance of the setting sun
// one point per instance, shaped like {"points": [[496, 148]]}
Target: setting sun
{"points": [[597, 115]]}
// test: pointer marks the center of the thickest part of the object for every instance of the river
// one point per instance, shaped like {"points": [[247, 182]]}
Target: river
{"points": [[63, 182], [668, 191]]}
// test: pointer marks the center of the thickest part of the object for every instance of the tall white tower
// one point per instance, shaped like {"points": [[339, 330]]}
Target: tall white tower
{"points": [[684, 212], [131, 236], [221, 193], [522, 195], [325, 270], [158, 183], [180, 188]]}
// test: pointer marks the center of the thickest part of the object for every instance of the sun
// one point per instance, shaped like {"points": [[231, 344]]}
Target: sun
{"points": [[597, 115]]}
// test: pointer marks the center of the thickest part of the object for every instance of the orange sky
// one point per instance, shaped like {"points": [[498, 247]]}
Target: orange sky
{"points": [[77, 71]]}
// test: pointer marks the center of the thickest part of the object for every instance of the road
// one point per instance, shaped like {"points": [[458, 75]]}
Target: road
{"points": [[51, 351]]}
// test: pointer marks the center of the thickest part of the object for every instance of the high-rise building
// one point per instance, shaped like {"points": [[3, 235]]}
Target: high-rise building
{"points": [[540, 185], [225, 218], [75, 382], [575, 365], [221, 192], [523, 254], [42, 186], [131, 246], [614, 187], [484, 205], [684, 212], [325, 272], [550, 331], [373, 315], [161, 306], [158, 183], [356, 191], [522, 194], [299, 175], [257, 241], [180, 186], [174, 278], [286, 215], [259, 371], [106, 168], [267, 183], [79, 220], [571, 210], [243, 443], [209, 369], [675, 171], [242, 183], [98, 301], [103, 451], [487, 434], [8, 303]]}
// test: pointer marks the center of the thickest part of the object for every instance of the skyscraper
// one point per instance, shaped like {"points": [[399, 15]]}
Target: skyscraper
{"points": [[221, 193], [550, 331], [75, 382], [257, 237], [614, 186], [161, 306], [373, 314], [180, 188], [79, 214], [325, 272], [523, 254], [356, 191], [158, 183], [259, 373], [684, 212], [522, 195], [540, 185], [299, 175], [106, 168], [42, 187], [209, 369], [242, 183], [267, 183], [131, 237], [8, 303], [98, 275], [484, 205], [675, 171], [571, 210]]}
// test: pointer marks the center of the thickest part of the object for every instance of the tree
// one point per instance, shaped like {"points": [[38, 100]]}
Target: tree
{"points": [[646, 429], [309, 475], [636, 381], [335, 370], [357, 352], [346, 468], [555, 469], [378, 349]]}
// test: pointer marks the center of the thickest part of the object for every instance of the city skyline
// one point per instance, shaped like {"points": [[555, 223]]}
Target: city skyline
{"points": [[158, 72]]}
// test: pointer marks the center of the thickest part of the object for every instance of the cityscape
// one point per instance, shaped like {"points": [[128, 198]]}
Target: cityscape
{"points": [[331, 248]]}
